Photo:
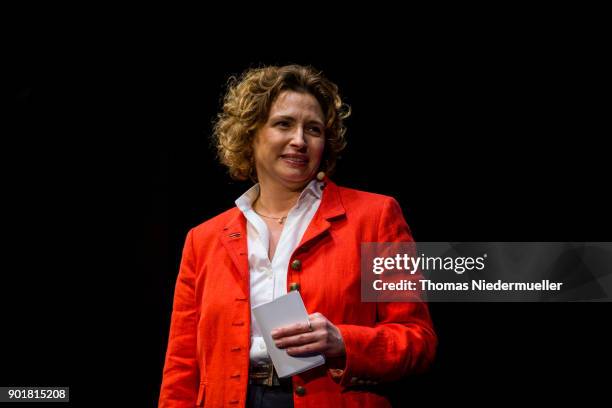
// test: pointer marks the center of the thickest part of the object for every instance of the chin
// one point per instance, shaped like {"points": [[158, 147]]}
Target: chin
{"points": [[297, 179]]}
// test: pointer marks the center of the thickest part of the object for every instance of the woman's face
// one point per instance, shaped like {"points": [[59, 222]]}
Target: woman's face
{"points": [[289, 146]]}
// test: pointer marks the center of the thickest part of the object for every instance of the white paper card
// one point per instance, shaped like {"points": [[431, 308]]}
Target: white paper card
{"points": [[282, 311]]}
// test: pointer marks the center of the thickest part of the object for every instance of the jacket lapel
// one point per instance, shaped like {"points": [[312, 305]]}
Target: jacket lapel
{"points": [[331, 207], [234, 238]]}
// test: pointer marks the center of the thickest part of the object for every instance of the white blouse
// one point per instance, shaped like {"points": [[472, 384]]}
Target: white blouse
{"points": [[269, 277]]}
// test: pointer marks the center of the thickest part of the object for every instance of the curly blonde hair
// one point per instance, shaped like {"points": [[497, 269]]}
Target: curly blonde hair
{"points": [[247, 104]]}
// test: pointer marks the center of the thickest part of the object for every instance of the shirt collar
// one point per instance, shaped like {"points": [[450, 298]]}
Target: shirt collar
{"points": [[245, 201]]}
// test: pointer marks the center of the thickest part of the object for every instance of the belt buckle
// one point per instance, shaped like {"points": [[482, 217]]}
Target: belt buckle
{"points": [[263, 374]]}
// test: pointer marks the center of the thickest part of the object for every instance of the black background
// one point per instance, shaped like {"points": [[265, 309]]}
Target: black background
{"points": [[107, 164]]}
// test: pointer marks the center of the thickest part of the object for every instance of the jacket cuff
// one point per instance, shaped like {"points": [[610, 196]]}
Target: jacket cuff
{"points": [[351, 369]]}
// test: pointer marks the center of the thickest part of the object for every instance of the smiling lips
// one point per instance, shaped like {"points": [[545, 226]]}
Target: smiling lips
{"points": [[296, 160]]}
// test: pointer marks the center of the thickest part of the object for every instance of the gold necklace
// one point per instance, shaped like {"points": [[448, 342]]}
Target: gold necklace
{"points": [[280, 220]]}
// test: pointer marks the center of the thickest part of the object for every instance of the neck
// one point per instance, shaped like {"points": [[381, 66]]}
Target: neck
{"points": [[276, 200]]}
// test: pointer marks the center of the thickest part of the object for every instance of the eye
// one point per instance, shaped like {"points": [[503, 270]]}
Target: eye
{"points": [[283, 124], [315, 130]]}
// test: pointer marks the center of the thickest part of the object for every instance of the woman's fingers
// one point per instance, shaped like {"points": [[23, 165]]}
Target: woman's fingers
{"points": [[290, 330], [311, 348], [320, 336], [297, 340]]}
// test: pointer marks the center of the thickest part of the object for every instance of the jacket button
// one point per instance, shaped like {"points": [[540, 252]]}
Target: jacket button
{"points": [[301, 391], [294, 286], [296, 265]]}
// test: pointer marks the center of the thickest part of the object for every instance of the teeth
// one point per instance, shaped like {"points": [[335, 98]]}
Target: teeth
{"points": [[293, 159]]}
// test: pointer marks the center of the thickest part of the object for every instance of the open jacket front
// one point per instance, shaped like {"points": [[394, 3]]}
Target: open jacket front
{"points": [[207, 360]]}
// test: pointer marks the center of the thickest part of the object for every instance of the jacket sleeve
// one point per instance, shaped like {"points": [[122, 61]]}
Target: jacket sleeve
{"points": [[181, 375], [402, 341]]}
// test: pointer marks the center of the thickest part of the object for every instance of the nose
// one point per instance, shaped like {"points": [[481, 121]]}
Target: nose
{"points": [[297, 138]]}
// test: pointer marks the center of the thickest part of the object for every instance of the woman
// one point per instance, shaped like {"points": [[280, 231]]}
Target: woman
{"points": [[295, 229]]}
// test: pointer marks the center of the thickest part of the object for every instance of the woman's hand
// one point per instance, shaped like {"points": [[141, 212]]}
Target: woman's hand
{"points": [[320, 337]]}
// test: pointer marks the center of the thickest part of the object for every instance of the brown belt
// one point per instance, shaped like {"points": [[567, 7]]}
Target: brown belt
{"points": [[265, 374]]}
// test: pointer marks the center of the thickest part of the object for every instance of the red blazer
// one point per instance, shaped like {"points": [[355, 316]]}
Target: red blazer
{"points": [[207, 360]]}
